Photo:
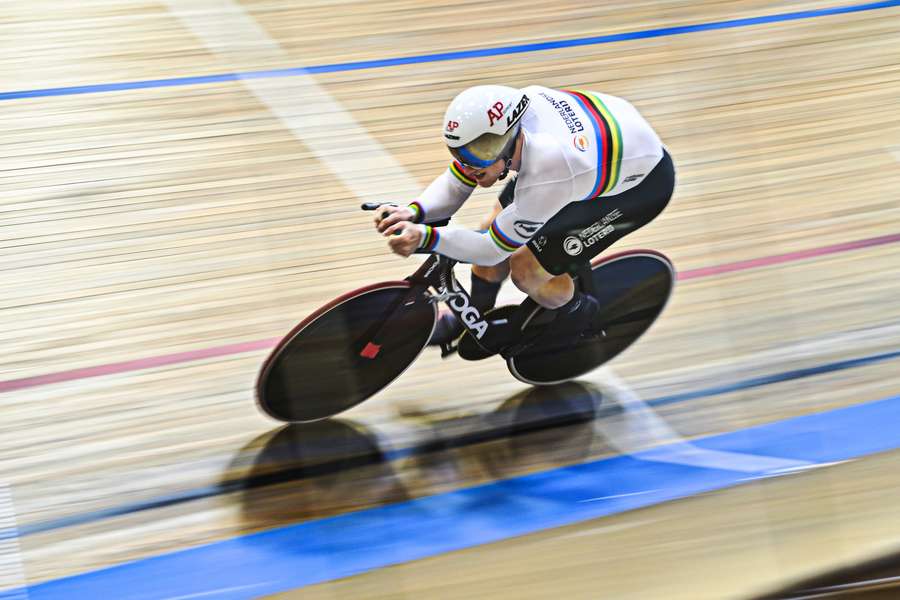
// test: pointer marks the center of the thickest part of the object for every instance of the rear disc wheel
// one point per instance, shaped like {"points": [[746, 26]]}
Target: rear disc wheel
{"points": [[632, 289]]}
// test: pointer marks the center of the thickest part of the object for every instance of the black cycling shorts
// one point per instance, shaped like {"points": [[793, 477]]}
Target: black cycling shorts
{"points": [[582, 230]]}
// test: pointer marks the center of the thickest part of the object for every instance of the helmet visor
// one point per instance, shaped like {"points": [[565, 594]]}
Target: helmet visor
{"points": [[484, 150]]}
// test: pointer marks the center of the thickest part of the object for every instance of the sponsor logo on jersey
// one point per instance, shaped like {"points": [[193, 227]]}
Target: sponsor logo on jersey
{"points": [[597, 226], [599, 235], [526, 229], [572, 246], [495, 113], [600, 229], [539, 243], [631, 178], [581, 142], [566, 112]]}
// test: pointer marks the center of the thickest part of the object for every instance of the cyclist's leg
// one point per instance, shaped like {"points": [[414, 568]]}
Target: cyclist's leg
{"points": [[548, 290], [582, 230], [486, 281], [579, 232], [574, 310], [543, 268]]}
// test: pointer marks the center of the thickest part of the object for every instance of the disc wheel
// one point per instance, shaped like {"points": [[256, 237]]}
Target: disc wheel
{"points": [[329, 363], [632, 289]]}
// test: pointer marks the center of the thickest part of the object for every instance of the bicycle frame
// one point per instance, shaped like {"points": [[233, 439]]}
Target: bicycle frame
{"points": [[435, 273], [381, 335]]}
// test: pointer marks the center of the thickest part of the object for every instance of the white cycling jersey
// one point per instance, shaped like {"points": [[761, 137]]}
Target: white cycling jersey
{"points": [[578, 145]]}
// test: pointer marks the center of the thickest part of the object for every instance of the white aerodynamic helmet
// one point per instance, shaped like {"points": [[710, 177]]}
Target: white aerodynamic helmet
{"points": [[481, 124]]}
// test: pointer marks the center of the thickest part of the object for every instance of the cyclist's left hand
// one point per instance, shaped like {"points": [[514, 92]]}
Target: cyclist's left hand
{"points": [[404, 238]]}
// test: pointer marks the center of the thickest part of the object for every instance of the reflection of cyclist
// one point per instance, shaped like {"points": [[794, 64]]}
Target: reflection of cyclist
{"points": [[589, 168]]}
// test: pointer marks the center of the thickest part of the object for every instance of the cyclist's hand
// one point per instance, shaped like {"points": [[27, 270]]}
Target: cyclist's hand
{"points": [[404, 238], [388, 214]]}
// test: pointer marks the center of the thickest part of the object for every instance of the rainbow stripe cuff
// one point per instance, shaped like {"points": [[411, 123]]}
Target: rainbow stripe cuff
{"points": [[418, 212], [608, 138], [457, 170], [430, 239], [503, 241]]}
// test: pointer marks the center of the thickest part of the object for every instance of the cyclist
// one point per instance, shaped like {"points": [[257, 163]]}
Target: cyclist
{"points": [[589, 170]]}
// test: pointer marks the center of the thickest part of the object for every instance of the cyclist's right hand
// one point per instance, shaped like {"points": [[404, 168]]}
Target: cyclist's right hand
{"points": [[388, 214]]}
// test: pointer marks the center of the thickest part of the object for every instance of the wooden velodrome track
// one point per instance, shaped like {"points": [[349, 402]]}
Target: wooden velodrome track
{"points": [[157, 239]]}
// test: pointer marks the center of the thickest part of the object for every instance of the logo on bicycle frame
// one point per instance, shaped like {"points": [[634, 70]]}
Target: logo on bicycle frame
{"points": [[572, 246], [469, 314]]}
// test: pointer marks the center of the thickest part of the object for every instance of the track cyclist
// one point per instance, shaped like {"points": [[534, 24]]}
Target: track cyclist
{"points": [[589, 170]]}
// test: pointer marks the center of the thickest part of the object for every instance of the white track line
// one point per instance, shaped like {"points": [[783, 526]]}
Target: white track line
{"points": [[641, 430], [305, 108], [12, 572], [618, 496]]}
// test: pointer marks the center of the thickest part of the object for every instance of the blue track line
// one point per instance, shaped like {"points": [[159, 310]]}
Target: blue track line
{"points": [[294, 556], [445, 56]]}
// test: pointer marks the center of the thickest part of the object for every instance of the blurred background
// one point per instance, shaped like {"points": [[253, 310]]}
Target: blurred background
{"points": [[180, 185]]}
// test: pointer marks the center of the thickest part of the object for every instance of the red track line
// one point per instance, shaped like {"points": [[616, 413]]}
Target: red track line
{"points": [[136, 364], [230, 349], [765, 261]]}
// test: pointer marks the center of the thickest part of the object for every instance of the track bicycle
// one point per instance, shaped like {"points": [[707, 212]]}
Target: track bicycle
{"points": [[357, 344]]}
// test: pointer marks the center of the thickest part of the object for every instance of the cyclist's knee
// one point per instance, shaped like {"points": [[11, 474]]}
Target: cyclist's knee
{"points": [[526, 273], [495, 273]]}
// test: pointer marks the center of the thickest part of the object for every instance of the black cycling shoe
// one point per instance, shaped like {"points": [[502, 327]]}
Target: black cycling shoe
{"points": [[502, 331], [576, 318], [447, 329], [568, 326]]}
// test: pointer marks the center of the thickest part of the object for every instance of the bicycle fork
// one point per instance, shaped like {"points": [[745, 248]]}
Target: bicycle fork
{"points": [[440, 277]]}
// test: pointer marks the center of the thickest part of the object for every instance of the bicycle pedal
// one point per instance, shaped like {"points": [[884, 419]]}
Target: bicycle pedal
{"points": [[469, 349], [594, 334], [498, 319]]}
